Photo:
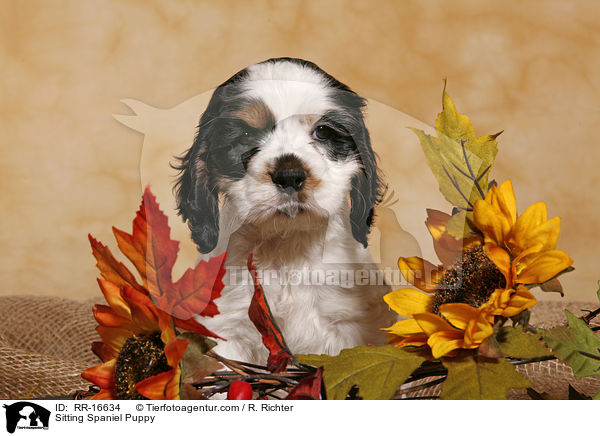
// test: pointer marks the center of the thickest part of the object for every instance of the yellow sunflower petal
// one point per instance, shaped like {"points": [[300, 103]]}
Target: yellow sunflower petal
{"points": [[496, 215], [487, 219], [420, 273], [163, 386], [407, 302], [501, 259], [431, 323], [443, 342], [505, 202], [522, 261], [545, 266], [102, 375], [497, 302], [519, 301], [532, 228], [405, 327], [534, 216], [410, 341], [458, 314], [477, 330], [545, 234]]}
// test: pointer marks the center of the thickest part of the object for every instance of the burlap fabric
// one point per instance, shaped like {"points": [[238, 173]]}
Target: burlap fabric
{"points": [[45, 345]]}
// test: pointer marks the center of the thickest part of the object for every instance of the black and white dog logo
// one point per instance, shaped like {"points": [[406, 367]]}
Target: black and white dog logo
{"points": [[26, 415]]}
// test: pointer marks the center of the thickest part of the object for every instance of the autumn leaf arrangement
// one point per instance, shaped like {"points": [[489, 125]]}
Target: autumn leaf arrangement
{"points": [[152, 344], [465, 321], [467, 317]]}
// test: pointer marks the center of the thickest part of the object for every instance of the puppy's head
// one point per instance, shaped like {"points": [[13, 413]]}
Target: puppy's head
{"points": [[282, 141]]}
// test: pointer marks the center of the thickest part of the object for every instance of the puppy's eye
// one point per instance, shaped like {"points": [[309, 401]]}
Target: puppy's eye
{"points": [[323, 133], [242, 137]]}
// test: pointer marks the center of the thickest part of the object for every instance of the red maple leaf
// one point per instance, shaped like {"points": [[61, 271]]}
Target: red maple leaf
{"points": [[153, 253], [309, 388], [260, 314]]}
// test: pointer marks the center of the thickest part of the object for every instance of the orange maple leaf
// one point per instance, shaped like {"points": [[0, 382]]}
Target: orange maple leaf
{"points": [[153, 253]]}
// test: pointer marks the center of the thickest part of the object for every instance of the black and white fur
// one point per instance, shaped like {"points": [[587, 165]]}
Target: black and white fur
{"points": [[282, 165]]}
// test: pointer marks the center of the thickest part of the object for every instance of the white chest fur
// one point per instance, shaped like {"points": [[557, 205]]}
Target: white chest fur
{"points": [[321, 286]]}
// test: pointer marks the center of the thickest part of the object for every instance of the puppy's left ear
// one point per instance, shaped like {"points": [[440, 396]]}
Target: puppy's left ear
{"points": [[366, 187]]}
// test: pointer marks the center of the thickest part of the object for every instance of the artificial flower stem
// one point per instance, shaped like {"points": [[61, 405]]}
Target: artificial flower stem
{"points": [[400, 392], [229, 364]]}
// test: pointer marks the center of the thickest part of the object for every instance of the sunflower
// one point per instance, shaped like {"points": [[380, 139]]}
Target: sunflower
{"points": [[451, 308], [523, 247], [139, 350], [455, 305]]}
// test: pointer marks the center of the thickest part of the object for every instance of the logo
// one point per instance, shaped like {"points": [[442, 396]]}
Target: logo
{"points": [[26, 415]]}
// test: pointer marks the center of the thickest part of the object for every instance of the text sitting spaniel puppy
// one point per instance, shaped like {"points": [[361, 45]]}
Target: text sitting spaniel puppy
{"points": [[282, 165]]}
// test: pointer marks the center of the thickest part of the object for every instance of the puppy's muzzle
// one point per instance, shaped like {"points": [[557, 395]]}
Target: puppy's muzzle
{"points": [[289, 175]]}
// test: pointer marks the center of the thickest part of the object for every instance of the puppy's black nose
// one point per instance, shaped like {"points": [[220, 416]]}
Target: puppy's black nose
{"points": [[289, 173]]}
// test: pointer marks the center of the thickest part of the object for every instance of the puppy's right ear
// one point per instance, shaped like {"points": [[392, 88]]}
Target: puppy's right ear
{"points": [[197, 196]]}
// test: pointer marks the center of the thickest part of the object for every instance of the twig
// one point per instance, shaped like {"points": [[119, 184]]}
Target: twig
{"points": [[268, 378], [401, 392], [250, 365], [526, 361], [431, 397], [228, 363], [428, 369], [271, 394], [260, 380], [435, 368], [591, 315], [281, 374]]}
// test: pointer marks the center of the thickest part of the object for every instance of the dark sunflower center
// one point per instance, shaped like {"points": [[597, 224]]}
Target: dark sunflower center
{"points": [[140, 357], [470, 280]]}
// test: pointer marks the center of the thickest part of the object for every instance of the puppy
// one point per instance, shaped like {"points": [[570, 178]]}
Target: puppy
{"points": [[282, 165]]}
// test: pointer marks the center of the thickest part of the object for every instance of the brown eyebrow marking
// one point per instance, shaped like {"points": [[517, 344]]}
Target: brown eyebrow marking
{"points": [[257, 114], [309, 119]]}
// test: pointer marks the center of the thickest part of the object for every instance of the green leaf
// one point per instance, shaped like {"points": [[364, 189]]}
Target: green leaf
{"points": [[473, 377], [597, 396], [514, 343], [567, 343], [459, 160], [377, 371], [598, 292]]}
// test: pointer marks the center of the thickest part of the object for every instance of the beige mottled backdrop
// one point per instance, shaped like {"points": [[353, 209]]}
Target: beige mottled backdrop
{"points": [[69, 168]]}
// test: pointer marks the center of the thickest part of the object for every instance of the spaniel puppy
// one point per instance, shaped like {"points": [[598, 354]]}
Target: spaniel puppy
{"points": [[282, 165]]}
